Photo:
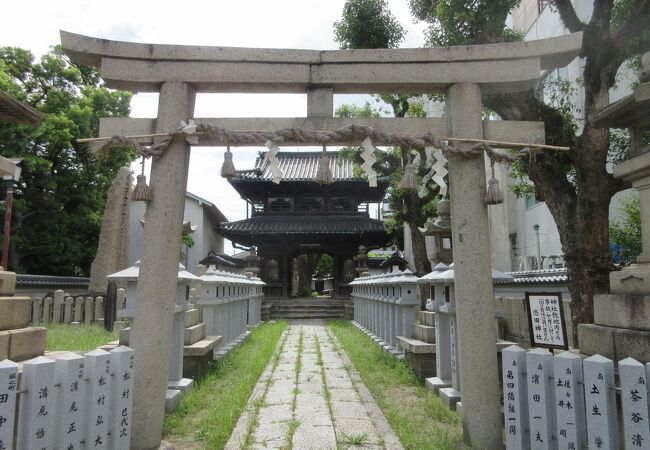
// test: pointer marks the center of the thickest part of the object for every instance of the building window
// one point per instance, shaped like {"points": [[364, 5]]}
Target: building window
{"points": [[309, 204], [280, 203]]}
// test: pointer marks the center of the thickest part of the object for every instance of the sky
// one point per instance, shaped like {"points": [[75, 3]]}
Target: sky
{"points": [[301, 24]]}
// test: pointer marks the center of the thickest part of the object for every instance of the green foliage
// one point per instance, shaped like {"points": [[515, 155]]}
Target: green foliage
{"points": [[210, 410], [325, 264], [59, 202], [417, 415], [60, 337], [367, 24], [188, 240], [626, 233], [459, 22]]}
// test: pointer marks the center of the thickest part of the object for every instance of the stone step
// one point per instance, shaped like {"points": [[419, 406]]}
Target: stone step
{"points": [[202, 347], [424, 333], [415, 345], [194, 333], [307, 315], [192, 317], [427, 318]]}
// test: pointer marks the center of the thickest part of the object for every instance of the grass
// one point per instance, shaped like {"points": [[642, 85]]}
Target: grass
{"points": [[62, 337], [418, 417], [209, 412]]}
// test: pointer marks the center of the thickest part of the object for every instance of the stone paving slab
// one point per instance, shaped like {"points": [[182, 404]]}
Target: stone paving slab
{"points": [[290, 400]]}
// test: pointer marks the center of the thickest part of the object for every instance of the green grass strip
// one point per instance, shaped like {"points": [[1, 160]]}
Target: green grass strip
{"points": [[210, 410], [63, 337], [418, 417]]}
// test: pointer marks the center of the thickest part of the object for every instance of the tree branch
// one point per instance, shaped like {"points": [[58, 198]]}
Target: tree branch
{"points": [[569, 16]]}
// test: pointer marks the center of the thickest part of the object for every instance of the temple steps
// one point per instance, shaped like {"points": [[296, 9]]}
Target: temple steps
{"points": [[307, 308]]}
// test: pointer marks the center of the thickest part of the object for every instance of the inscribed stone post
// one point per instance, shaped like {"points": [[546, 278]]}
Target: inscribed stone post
{"points": [[88, 311], [159, 269], [539, 372], [8, 390], [36, 310], [515, 400], [58, 306], [600, 402], [47, 309], [67, 310], [634, 397], [71, 401], [569, 401], [98, 370], [78, 309], [36, 411], [473, 275], [121, 402], [99, 308]]}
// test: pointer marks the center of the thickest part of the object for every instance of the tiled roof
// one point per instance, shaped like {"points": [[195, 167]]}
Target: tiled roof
{"points": [[55, 282], [546, 276], [214, 258], [299, 166], [304, 224]]}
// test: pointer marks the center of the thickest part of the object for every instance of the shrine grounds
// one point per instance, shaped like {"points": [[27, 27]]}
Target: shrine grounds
{"points": [[209, 412]]}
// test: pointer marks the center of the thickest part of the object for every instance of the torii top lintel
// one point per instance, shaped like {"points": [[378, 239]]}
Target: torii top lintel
{"points": [[505, 67]]}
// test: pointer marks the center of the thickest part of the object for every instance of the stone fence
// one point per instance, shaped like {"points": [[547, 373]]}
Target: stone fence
{"points": [[67, 402], [386, 305], [66, 309], [228, 303], [565, 402]]}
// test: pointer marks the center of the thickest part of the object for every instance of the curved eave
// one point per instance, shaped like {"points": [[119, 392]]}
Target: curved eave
{"points": [[259, 189]]}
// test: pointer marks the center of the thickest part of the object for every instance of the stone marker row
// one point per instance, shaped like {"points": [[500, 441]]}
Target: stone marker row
{"points": [[568, 403], [72, 402], [62, 309]]}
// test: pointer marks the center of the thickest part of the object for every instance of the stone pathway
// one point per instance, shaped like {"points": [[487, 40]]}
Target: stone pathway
{"points": [[311, 397]]}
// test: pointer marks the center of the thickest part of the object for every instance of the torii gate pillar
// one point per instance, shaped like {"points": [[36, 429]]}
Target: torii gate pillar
{"points": [[151, 338], [479, 378]]}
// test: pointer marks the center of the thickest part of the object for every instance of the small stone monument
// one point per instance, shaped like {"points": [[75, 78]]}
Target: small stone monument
{"points": [[112, 250], [18, 341], [621, 326]]}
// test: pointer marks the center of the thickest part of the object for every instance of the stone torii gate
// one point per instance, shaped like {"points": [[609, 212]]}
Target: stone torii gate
{"points": [[463, 73]]}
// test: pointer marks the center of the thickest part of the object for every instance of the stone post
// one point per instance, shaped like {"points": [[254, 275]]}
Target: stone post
{"points": [[473, 279], [151, 339]]}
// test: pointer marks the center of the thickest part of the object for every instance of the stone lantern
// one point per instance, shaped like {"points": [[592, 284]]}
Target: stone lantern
{"points": [[440, 230], [176, 383], [443, 303]]}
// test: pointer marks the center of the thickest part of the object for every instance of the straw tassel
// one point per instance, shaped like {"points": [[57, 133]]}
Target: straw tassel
{"points": [[324, 174], [228, 167], [142, 192], [493, 195], [409, 181]]}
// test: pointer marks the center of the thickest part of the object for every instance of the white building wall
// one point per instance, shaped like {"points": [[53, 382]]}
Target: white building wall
{"points": [[205, 237]]}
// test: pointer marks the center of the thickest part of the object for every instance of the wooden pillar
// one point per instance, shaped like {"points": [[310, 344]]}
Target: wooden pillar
{"points": [[479, 380], [151, 335]]}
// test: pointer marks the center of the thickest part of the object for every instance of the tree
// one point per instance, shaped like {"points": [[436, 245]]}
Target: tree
{"points": [[367, 24], [59, 201], [576, 185], [370, 24]]}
